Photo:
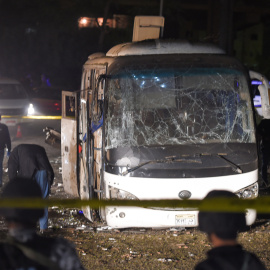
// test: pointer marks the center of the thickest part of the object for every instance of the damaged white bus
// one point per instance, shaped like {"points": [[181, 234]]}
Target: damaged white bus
{"points": [[160, 120]]}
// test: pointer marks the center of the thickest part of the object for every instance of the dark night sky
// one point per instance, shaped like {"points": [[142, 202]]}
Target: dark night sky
{"points": [[42, 36]]}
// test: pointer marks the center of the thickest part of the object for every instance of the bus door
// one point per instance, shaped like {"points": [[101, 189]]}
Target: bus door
{"points": [[90, 134], [69, 142]]}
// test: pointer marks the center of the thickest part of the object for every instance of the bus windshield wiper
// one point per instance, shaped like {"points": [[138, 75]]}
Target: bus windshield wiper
{"points": [[166, 160], [234, 166]]}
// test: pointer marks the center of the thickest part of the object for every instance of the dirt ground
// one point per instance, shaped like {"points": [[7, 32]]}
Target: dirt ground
{"points": [[100, 247]]}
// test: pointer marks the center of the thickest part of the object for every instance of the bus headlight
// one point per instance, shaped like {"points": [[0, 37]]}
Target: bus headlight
{"points": [[31, 109], [120, 194], [249, 192]]}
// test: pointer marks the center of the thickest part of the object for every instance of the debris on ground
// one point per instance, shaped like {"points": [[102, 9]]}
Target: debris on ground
{"points": [[102, 247]]}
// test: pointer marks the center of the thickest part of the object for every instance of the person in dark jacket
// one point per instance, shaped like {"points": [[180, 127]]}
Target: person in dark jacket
{"points": [[263, 130], [4, 143], [222, 229], [24, 248], [31, 161]]}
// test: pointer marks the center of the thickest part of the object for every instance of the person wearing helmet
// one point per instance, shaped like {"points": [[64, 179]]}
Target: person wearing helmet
{"points": [[222, 229], [31, 161], [23, 247], [5, 142]]}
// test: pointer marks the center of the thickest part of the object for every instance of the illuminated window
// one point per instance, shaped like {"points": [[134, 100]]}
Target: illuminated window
{"points": [[118, 21]]}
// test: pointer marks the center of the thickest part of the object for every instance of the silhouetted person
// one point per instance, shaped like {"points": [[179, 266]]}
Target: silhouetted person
{"points": [[263, 130], [31, 161], [222, 229], [23, 248], [4, 143]]}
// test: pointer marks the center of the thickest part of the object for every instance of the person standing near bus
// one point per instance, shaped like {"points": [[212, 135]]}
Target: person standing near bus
{"points": [[31, 161], [5, 142], [263, 130]]}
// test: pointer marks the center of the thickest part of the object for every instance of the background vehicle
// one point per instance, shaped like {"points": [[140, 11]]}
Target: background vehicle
{"points": [[46, 100], [160, 120], [14, 101]]}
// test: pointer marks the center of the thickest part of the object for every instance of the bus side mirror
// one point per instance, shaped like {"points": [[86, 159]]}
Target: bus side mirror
{"points": [[264, 90]]}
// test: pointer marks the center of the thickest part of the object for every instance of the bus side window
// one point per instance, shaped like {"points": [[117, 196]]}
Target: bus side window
{"points": [[70, 109]]}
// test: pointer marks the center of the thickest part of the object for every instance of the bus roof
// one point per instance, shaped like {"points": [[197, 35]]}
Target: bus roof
{"points": [[154, 64], [150, 47]]}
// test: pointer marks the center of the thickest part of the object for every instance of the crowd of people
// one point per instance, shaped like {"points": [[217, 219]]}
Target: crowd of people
{"points": [[31, 176]]}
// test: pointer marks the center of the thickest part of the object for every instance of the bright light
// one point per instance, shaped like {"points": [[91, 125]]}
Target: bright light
{"points": [[257, 82], [31, 109], [83, 21]]}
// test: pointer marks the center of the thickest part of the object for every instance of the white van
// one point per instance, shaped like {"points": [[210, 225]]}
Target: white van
{"points": [[14, 101]]}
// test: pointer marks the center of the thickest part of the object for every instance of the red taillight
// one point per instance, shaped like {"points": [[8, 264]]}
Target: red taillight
{"points": [[56, 104]]}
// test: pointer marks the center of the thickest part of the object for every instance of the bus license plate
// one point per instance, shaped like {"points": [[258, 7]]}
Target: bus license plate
{"points": [[185, 219]]}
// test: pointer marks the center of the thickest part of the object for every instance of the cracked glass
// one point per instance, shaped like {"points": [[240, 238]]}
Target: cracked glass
{"points": [[178, 106]]}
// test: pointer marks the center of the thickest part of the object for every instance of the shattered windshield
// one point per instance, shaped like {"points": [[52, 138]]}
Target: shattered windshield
{"points": [[178, 106]]}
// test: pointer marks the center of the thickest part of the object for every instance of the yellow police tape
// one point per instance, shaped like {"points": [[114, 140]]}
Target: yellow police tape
{"points": [[50, 117], [261, 204], [46, 117]]}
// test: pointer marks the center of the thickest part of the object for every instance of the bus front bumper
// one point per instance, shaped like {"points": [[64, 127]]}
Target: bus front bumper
{"points": [[137, 217]]}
